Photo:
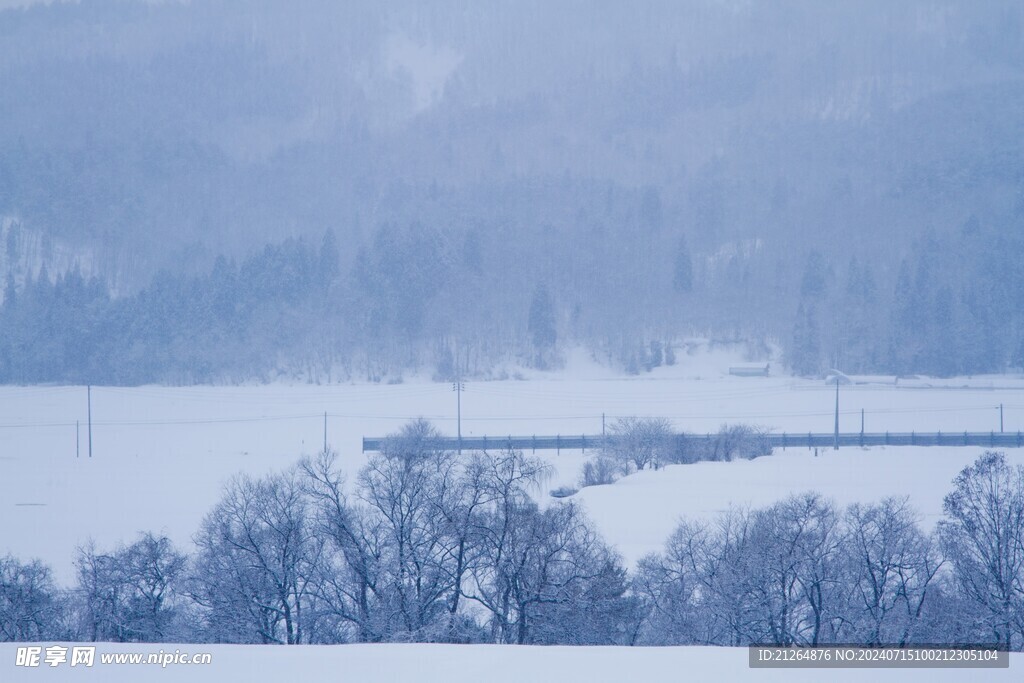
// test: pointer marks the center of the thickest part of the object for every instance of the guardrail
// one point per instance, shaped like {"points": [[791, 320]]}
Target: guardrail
{"points": [[582, 442]]}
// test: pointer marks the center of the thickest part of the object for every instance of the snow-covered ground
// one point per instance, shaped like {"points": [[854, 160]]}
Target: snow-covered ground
{"points": [[637, 513], [161, 454], [472, 664]]}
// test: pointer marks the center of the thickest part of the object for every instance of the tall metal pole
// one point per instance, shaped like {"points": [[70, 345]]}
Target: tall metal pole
{"points": [[1000, 418], [88, 394], [458, 395], [862, 422], [835, 442]]}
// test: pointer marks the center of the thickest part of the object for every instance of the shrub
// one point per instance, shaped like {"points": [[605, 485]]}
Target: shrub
{"points": [[740, 441], [729, 443], [601, 470]]}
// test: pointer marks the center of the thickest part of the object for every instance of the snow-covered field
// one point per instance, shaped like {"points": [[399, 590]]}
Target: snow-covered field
{"points": [[472, 664], [637, 514], [161, 455]]}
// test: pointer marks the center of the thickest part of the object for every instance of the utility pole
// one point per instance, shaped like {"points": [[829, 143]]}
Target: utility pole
{"points": [[835, 441], [88, 395], [862, 422], [1000, 418], [325, 431], [458, 387]]}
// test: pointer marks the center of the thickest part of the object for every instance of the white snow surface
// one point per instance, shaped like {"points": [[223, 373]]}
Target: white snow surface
{"points": [[638, 512], [162, 454], [469, 664]]}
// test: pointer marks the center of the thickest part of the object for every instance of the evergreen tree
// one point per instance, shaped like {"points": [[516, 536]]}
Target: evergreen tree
{"points": [[902, 336], [472, 253], [650, 210], [655, 359], [815, 278], [858, 318], [328, 267], [682, 273], [7, 330], [805, 353], [10, 291], [942, 344], [541, 325]]}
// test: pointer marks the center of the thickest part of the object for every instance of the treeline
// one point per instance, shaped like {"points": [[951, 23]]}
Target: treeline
{"points": [[953, 308], [275, 312], [430, 547], [417, 298]]}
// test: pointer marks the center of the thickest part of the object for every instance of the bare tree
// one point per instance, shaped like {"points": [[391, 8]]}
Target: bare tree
{"points": [[396, 560], [574, 589], [102, 591], [983, 538], [639, 442], [349, 579], [532, 561], [702, 589], [152, 570], [796, 570], [673, 587], [501, 523], [459, 495], [406, 486], [890, 568], [31, 607], [257, 554]]}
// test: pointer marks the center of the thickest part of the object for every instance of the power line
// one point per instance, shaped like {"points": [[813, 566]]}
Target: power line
{"points": [[493, 418]]}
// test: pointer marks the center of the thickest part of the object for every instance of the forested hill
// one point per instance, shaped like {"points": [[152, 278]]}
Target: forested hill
{"points": [[412, 301], [355, 189]]}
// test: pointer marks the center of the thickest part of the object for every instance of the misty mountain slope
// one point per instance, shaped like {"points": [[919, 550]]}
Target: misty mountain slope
{"points": [[590, 149], [613, 95]]}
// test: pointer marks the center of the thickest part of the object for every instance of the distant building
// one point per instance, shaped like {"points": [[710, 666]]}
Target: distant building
{"points": [[750, 370]]}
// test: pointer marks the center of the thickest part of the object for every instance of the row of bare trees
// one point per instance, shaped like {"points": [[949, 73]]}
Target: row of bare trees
{"points": [[801, 572], [424, 546], [428, 546], [796, 573], [635, 443]]}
